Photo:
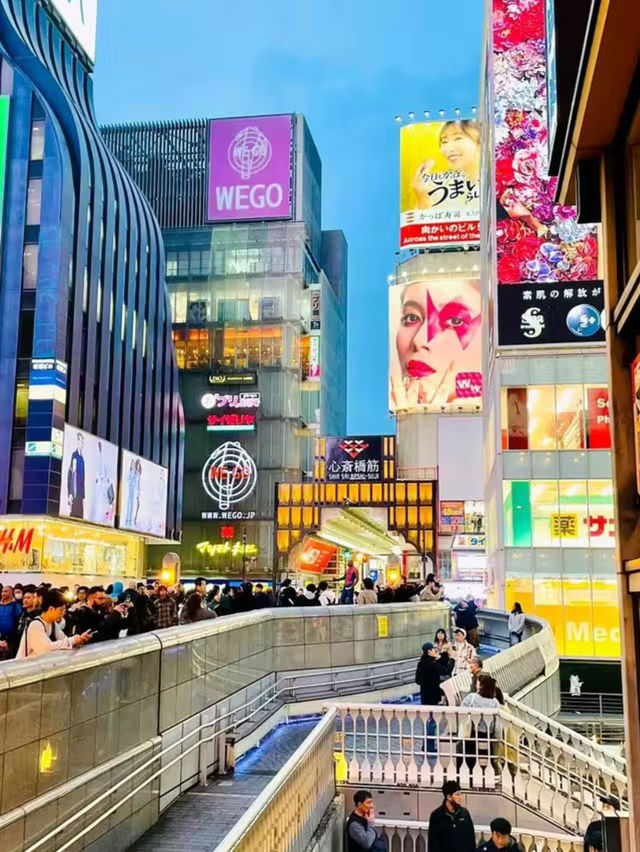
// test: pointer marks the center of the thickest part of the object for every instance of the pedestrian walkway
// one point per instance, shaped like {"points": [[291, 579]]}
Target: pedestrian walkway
{"points": [[200, 819]]}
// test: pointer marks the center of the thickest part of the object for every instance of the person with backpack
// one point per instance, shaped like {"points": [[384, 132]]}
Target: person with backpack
{"points": [[42, 635]]}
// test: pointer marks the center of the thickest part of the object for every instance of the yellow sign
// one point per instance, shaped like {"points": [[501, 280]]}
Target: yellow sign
{"points": [[383, 626], [564, 525], [227, 548]]}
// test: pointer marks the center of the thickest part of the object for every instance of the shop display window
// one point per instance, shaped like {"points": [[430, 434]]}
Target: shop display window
{"points": [[555, 417]]}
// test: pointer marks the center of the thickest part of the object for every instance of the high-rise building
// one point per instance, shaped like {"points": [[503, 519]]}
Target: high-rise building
{"points": [[90, 412], [258, 299], [549, 494]]}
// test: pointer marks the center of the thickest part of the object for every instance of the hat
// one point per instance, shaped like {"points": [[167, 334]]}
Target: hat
{"points": [[608, 799], [461, 630], [428, 646], [450, 787]]}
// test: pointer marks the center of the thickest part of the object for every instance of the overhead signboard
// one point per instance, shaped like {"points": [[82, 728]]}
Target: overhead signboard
{"points": [[544, 314], [250, 168], [435, 345], [231, 412], [439, 184], [451, 516], [143, 495], [244, 377], [80, 18], [354, 459], [89, 477]]}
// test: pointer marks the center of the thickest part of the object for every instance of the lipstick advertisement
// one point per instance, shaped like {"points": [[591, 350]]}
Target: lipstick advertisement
{"points": [[435, 345]]}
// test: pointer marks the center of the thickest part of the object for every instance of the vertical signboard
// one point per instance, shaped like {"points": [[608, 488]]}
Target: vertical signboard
{"points": [[250, 165], [439, 184]]}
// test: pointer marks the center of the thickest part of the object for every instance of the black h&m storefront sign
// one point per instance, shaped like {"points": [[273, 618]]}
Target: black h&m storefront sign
{"points": [[354, 459], [568, 312]]}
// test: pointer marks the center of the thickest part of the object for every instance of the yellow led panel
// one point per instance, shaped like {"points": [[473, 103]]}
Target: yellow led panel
{"points": [[284, 493], [283, 516], [426, 492], [307, 493]]}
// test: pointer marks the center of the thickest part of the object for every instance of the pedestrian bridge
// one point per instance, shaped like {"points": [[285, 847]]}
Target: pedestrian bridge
{"points": [[98, 743]]}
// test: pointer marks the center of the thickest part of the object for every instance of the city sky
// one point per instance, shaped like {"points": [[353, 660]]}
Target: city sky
{"points": [[350, 68]]}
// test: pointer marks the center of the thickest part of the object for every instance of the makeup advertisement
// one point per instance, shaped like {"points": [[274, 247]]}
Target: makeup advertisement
{"points": [[435, 346]]}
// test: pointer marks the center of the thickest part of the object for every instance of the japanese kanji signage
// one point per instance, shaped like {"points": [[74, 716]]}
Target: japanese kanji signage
{"points": [[542, 314], [451, 516], [232, 412], [354, 459], [315, 319], [564, 525], [439, 184]]}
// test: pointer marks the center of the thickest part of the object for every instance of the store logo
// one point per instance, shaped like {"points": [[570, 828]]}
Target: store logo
{"points": [[583, 321], [229, 475], [353, 448], [249, 152], [532, 323]]}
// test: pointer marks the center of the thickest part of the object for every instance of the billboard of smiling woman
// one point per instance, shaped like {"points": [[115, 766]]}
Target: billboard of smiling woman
{"points": [[435, 340]]}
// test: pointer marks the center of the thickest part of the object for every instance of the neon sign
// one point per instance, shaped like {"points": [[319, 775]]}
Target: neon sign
{"points": [[229, 474], [231, 422], [227, 548], [230, 411], [22, 543], [230, 400]]}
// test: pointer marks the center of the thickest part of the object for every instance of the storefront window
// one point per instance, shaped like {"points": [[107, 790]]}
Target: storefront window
{"points": [[544, 509], [541, 417], [180, 346], [570, 417], [569, 526]]}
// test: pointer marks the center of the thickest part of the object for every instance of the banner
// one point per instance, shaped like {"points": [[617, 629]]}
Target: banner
{"points": [[598, 423], [439, 184], [89, 477], [143, 495], [546, 313], [435, 346], [451, 516]]}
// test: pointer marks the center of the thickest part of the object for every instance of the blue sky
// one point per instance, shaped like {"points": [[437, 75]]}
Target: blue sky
{"points": [[349, 67]]}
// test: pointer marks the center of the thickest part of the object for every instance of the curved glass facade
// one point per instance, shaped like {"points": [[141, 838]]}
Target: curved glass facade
{"points": [[85, 327]]}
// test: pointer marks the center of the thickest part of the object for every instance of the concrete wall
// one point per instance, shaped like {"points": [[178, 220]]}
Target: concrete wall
{"points": [[72, 724]]}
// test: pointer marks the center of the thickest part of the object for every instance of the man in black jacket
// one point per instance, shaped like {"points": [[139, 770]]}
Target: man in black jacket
{"points": [[97, 619], [594, 835], [361, 834], [450, 825], [428, 675], [500, 837]]}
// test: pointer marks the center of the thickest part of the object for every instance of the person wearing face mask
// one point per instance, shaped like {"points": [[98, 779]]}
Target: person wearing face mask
{"points": [[450, 826], [438, 356]]}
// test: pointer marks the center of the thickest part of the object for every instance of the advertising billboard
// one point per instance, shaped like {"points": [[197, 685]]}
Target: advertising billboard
{"points": [[354, 459], [451, 516], [143, 495], [314, 357], [531, 316], [80, 17], [435, 346], [89, 477], [229, 476], [439, 184], [537, 240], [250, 165], [231, 412]]}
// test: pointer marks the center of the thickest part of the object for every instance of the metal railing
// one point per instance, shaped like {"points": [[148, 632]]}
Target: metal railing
{"points": [[593, 703], [489, 750], [411, 836], [285, 815], [592, 749]]}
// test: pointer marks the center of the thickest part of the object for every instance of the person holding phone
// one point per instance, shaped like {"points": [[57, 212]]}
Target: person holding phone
{"points": [[42, 635]]}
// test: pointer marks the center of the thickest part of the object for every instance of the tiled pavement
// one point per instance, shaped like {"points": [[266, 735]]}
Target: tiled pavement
{"points": [[200, 819]]}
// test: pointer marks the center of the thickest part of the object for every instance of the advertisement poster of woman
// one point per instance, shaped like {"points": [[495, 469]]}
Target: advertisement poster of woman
{"points": [[143, 495], [439, 184], [435, 342]]}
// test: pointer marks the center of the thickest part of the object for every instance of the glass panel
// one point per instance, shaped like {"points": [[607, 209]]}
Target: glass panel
{"points": [[34, 201], [597, 404], [570, 417], [601, 522], [30, 267], [36, 151], [516, 419], [541, 416], [570, 524], [544, 509]]}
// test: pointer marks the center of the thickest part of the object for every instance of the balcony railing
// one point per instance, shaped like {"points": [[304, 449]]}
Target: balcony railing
{"points": [[485, 750], [412, 837]]}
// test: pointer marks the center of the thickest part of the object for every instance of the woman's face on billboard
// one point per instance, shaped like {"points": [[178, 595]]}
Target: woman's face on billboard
{"points": [[461, 150], [439, 323]]}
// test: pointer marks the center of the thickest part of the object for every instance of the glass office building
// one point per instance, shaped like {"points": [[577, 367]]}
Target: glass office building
{"points": [[259, 320]]}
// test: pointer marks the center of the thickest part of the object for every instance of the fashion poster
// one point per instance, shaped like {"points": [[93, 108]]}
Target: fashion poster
{"points": [[89, 477], [143, 495]]}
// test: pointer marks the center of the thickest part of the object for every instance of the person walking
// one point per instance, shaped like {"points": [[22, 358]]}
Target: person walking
{"points": [[500, 837], [429, 674], [463, 651], [368, 594], [450, 826], [361, 832], [516, 624], [465, 615]]}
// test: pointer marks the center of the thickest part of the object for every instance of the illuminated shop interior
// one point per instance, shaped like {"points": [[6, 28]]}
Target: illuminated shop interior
{"points": [[67, 551]]}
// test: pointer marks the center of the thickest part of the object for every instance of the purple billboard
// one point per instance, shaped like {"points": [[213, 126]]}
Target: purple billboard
{"points": [[250, 168]]}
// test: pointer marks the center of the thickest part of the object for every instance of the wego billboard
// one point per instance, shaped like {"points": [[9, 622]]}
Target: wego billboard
{"points": [[439, 184], [250, 163], [435, 351]]}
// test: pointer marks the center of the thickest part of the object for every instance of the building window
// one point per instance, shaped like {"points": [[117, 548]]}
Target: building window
{"points": [[22, 402], [34, 201], [172, 264], [36, 151], [197, 352], [30, 267]]}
